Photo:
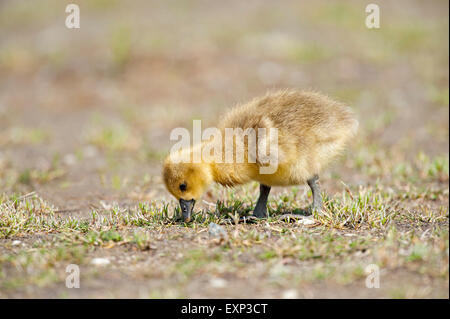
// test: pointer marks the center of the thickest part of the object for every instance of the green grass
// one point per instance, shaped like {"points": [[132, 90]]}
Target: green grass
{"points": [[267, 243]]}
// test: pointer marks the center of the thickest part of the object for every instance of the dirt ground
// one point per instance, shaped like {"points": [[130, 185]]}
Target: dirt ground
{"points": [[85, 119]]}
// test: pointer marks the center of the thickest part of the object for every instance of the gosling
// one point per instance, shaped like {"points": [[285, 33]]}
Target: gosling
{"points": [[312, 130]]}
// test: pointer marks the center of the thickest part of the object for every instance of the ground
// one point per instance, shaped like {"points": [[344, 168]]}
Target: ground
{"points": [[85, 118]]}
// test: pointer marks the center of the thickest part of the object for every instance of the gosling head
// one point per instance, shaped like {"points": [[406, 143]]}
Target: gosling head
{"points": [[186, 182]]}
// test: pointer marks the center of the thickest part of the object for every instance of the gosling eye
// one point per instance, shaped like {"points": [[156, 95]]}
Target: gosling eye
{"points": [[183, 187]]}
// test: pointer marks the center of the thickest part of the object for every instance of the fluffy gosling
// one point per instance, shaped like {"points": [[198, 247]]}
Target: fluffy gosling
{"points": [[312, 130]]}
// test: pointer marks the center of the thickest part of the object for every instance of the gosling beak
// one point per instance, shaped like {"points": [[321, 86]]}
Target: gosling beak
{"points": [[187, 206]]}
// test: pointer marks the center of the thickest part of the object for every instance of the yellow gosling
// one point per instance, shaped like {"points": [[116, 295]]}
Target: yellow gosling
{"points": [[311, 130]]}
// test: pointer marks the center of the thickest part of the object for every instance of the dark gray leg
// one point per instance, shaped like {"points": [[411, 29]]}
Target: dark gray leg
{"points": [[261, 206], [317, 198]]}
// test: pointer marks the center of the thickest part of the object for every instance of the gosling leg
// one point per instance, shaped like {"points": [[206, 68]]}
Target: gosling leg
{"points": [[317, 197], [261, 206]]}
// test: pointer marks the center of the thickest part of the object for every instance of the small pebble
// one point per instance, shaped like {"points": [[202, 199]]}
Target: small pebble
{"points": [[215, 230], [90, 151], [70, 159], [16, 242], [218, 283], [100, 261], [290, 294], [306, 221]]}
